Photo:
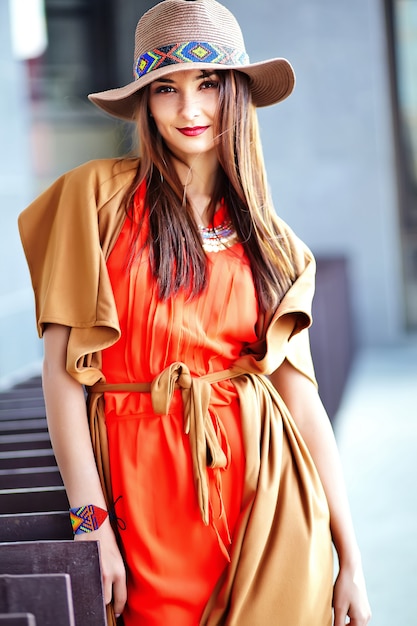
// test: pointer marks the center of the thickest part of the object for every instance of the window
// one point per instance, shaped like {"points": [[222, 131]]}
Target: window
{"points": [[78, 57]]}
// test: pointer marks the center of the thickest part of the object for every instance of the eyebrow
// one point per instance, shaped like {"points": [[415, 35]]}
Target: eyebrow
{"points": [[170, 81]]}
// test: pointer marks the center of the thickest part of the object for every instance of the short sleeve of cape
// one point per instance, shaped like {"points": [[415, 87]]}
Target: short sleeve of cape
{"points": [[67, 234], [284, 333]]}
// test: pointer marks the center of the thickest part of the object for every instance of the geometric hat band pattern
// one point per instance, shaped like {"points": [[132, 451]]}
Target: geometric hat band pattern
{"points": [[189, 52]]}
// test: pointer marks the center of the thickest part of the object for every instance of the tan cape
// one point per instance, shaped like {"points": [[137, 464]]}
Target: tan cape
{"points": [[281, 560]]}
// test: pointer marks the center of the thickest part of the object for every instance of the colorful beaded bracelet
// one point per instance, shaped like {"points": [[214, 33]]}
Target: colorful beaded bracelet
{"points": [[85, 519]]}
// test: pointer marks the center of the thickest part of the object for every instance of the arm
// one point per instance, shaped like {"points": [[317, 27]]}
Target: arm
{"points": [[301, 397], [70, 437]]}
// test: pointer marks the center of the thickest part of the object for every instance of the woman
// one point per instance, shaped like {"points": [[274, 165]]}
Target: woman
{"points": [[169, 288]]}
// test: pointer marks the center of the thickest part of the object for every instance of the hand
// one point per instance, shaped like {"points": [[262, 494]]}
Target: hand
{"points": [[112, 565], [350, 598]]}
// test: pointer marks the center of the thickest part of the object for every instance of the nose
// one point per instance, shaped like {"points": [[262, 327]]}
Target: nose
{"points": [[190, 106]]}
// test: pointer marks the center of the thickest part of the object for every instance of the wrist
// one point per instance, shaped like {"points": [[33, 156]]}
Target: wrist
{"points": [[87, 518], [349, 559], [103, 534]]}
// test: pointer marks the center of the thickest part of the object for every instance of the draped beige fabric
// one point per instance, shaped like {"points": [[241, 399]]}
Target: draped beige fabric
{"points": [[281, 560], [67, 233]]}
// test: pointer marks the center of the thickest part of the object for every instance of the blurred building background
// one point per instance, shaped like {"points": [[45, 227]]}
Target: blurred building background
{"points": [[341, 155], [340, 152]]}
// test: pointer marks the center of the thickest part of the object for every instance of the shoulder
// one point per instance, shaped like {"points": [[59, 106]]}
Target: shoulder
{"points": [[105, 168], [99, 172], [92, 184], [77, 196], [301, 254]]}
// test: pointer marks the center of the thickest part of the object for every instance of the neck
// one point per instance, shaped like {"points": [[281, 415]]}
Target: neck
{"points": [[198, 178]]}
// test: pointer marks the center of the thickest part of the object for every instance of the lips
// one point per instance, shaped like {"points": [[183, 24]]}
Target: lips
{"points": [[193, 131]]}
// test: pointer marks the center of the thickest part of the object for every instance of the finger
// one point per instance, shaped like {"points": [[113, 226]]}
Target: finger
{"points": [[339, 616], [119, 595], [107, 589], [358, 621]]}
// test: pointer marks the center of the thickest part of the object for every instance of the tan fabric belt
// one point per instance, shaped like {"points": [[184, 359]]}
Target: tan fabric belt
{"points": [[195, 391], [177, 373]]}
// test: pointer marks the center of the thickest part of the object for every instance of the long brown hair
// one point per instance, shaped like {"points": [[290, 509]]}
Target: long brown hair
{"points": [[177, 257]]}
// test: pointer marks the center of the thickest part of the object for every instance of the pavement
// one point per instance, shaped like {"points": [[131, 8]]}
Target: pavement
{"points": [[376, 431]]}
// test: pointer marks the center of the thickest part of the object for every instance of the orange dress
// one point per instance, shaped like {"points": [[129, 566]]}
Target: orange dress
{"points": [[173, 559]]}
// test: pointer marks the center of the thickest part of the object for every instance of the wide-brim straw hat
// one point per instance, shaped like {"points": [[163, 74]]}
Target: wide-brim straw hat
{"points": [[185, 34]]}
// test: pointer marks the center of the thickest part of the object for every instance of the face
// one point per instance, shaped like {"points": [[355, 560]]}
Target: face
{"points": [[183, 105]]}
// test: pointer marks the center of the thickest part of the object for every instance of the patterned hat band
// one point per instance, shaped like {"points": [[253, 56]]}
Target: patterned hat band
{"points": [[189, 52], [207, 35]]}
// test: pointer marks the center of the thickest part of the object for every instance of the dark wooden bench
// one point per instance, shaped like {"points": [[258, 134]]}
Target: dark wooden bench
{"points": [[332, 334], [47, 596], [30, 481], [33, 500], [29, 383], [79, 559], [40, 526], [24, 441], [22, 402], [27, 458], [15, 413], [36, 541], [23, 425], [20, 393], [24, 477], [21, 399], [17, 619]]}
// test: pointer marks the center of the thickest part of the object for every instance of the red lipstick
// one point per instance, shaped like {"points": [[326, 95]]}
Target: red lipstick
{"points": [[193, 131]]}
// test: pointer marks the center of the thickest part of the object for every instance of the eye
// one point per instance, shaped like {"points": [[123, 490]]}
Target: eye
{"points": [[164, 89], [209, 84]]}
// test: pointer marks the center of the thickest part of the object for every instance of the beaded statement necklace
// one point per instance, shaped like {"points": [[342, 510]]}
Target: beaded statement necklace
{"points": [[216, 238]]}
